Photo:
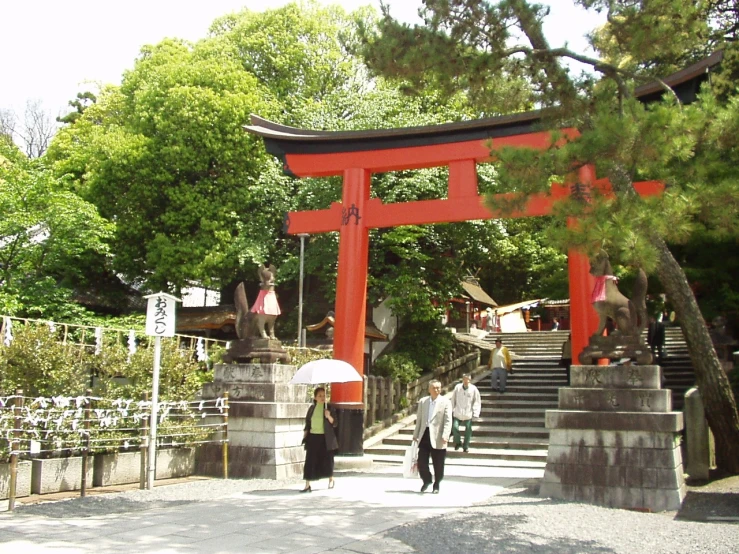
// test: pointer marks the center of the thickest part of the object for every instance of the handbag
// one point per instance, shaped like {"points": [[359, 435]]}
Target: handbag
{"points": [[410, 462]]}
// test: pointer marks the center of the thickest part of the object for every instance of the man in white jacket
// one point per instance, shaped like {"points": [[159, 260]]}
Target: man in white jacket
{"points": [[466, 405], [433, 425]]}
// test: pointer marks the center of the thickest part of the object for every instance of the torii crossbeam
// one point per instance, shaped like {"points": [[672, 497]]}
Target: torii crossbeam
{"points": [[356, 155]]}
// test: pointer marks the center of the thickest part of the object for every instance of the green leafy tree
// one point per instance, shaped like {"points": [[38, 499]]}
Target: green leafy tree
{"points": [[471, 45], [80, 104], [48, 236]]}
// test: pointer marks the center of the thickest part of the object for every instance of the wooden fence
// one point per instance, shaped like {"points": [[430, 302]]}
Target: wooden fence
{"points": [[386, 400]]}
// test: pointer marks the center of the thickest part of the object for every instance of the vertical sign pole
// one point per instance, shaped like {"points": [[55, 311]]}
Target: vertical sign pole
{"points": [[301, 342], [154, 408], [160, 322]]}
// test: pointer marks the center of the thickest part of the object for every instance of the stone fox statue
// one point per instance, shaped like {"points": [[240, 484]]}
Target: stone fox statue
{"points": [[260, 320], [630, 315]]}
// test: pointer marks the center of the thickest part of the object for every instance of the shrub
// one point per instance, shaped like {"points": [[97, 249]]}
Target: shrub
{"points": [[37, 362], [398, 365], [40, 365], [427, 343]]}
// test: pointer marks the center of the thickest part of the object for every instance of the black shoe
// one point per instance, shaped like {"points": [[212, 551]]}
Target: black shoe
{"points": [[425, 487], [456, 447], [306, 489], [466, 450], [436, 489]]}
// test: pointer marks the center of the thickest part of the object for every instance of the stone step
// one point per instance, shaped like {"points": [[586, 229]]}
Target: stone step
{"points": [[481, 442], [511, 424], [397, 458], [475, 453], [519, 394], [513, 413], [509, 432]]}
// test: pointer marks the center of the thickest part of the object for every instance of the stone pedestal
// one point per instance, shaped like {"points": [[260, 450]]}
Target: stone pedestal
{"points": [[265, 423], [614, 440], [256, 350]]}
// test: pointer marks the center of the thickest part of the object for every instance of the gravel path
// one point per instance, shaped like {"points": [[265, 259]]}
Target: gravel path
{"points": [[519, 521], [514, 521]]}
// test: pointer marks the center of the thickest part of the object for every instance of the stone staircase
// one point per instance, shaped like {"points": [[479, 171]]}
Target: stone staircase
{"points": [[677, 367], [510, 432]]}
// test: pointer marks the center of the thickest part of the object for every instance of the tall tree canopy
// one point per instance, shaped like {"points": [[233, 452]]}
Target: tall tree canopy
{"points": [[195, 198], [48, 237], [473, 47]]}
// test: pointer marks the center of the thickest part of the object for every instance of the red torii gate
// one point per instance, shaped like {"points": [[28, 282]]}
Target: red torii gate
{"points": [[356, 155]]}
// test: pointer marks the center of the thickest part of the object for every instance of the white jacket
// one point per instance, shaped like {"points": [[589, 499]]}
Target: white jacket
{"points": [[440, 426], [466, 404]]}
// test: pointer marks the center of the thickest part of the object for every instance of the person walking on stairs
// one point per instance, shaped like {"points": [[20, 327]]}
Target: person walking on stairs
{"points": [[433, 426], [466, 404], [500, 363]]}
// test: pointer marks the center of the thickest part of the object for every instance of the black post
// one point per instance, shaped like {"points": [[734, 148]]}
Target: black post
{"points": [[351, 428]]}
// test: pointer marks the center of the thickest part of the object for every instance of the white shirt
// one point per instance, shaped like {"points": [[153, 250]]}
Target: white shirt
{"points": [[499, 358], [466, 402], [432, 407]]}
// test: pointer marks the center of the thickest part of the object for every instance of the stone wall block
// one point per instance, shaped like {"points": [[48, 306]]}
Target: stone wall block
{"points": [[253, 373], [565, 454], [660, 500], [670, 422], [663, 458], [22, 481], [616, 377], [669, 479], [631, 457], [615, 400], [649, 478]]}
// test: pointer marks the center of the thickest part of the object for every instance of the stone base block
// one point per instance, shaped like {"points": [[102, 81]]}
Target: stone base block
{"points": [[613, 439], [22, 483], [257, 392], [669, 422], [267, 410], [253, 373], [348, 463], [617, 497], [251, 462], [621, 469], [121, 468], [60, 474], [266, 439], [615, 400], [618, 377]]}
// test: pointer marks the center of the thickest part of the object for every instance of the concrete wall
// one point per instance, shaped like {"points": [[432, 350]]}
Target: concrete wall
{"points": [[60, 474], [23, 481]]}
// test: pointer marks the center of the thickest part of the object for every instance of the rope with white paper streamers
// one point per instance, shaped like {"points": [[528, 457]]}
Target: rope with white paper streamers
{"points": [[63, 424]]}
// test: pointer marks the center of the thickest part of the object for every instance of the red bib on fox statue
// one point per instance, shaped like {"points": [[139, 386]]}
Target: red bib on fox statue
{"points": [[266, 302]]}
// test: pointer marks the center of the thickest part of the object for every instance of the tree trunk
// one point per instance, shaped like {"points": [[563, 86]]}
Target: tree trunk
{"points": [[718, 398]]}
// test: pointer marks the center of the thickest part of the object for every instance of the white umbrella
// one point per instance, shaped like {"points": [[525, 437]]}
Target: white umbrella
{"points": [[325, 371]]}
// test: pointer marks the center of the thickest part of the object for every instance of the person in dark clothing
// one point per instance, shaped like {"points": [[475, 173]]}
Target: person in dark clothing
{"points": [[320, 441], [566, 360], [656, 338]]}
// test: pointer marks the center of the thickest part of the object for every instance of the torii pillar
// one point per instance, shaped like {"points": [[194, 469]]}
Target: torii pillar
{"points": [[356, 155]]}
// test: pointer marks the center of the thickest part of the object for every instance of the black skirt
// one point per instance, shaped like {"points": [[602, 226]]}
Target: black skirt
{"points": [[319, 462]]}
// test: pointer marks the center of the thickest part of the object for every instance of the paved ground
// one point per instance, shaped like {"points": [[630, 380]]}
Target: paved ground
{"points": [[373, 512]]}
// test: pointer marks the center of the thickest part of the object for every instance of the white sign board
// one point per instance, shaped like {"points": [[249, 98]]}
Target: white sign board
{"points": [[160, 314]]}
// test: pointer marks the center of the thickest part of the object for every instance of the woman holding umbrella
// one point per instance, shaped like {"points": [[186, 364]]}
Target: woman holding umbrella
{"points": [[320, 442]]}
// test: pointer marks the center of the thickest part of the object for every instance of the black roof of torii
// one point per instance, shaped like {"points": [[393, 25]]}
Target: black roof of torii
{"points": [[282, 139]]}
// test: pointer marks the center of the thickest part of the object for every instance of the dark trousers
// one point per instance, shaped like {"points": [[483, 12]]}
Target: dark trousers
{"points": [[658, 351], [438, 456]]}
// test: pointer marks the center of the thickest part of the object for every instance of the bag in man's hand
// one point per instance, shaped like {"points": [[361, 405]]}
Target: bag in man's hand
{"points": [[410, 462]]}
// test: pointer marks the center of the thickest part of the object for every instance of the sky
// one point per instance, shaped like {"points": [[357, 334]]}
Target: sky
{"points": [[52, 49]]}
